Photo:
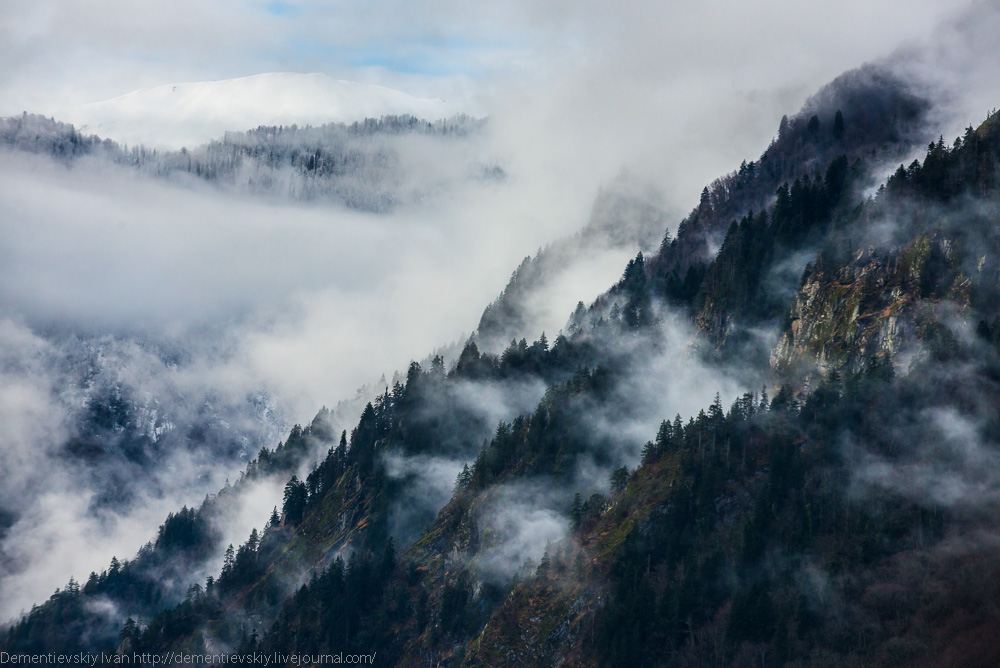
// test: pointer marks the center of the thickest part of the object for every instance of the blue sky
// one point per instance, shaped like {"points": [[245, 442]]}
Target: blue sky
{"points": [[279, 8], [433, 56]]}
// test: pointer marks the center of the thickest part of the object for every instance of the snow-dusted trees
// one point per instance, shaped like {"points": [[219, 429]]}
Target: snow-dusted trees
{"points": [[370, 165]]}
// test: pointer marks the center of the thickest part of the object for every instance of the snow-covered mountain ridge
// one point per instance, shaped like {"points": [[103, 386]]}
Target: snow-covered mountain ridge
{"points": [[188, 114]]}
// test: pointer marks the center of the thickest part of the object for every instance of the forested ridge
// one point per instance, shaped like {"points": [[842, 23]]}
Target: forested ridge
{"points": [[357, 165], [839, 511]]}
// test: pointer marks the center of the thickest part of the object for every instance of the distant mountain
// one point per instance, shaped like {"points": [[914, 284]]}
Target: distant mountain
{"points": [[189, 114], [370, 165]]}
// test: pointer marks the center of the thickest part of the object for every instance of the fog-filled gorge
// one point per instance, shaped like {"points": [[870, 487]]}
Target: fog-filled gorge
{"points": [[162, 320]]}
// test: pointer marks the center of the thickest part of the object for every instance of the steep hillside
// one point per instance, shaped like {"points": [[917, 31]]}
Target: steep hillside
{"points": [[906, 268], [628, 216], [866, 113], [869, 116]]}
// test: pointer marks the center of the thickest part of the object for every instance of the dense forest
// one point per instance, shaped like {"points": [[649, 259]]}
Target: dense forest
{"points": [[839, 510]]}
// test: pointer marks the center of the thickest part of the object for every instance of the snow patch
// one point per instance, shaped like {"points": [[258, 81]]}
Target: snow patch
{"points": [[178, 115]]}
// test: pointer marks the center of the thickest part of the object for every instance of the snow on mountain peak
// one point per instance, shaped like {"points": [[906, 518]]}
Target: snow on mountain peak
{"points": [[188, 114]]}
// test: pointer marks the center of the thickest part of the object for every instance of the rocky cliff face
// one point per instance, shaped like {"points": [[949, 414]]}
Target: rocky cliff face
{"points": [[882, 303]]}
